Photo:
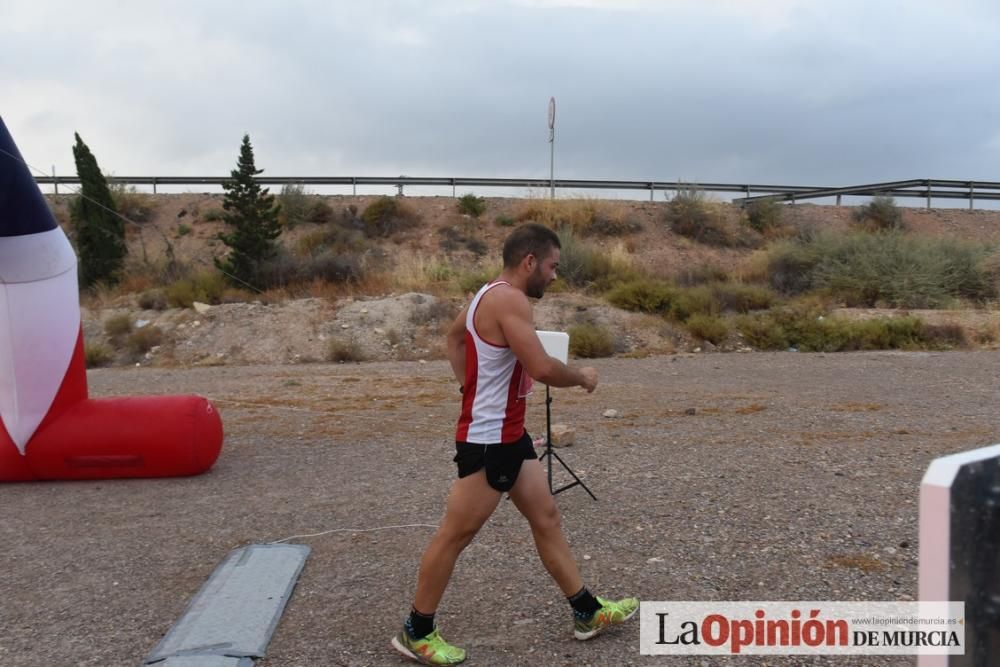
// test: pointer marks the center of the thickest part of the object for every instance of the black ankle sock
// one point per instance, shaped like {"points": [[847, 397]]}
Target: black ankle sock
{"points": [[419, 625], [584, 604]]}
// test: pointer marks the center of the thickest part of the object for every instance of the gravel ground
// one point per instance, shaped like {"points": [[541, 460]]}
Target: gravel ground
{"points": [[795, 478]]}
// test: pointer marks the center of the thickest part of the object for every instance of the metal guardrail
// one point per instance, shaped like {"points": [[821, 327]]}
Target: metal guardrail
{"points": [[987, 190], [930, 188]]}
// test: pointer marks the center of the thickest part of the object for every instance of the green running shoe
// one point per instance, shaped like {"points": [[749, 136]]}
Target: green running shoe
{"points": [[611, 613], [429, 650]]}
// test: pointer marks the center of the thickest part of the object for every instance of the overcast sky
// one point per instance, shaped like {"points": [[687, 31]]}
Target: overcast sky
{"points": [[810, 92]]}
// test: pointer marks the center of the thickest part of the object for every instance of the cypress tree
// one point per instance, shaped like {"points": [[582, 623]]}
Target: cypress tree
{"points": [[251, 213], [100, 231]]}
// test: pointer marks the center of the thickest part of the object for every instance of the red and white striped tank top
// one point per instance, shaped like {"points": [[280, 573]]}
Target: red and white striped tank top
{"points": [[495, 386]]}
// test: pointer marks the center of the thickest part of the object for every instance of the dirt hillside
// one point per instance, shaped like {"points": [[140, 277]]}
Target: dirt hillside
{"points": [[377, 322]]}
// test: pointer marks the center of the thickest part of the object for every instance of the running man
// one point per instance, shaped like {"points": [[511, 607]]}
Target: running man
{"points": [[495, 352]]}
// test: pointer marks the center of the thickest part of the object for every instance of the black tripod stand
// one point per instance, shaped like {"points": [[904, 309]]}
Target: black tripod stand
{"points": [[550, 454]]}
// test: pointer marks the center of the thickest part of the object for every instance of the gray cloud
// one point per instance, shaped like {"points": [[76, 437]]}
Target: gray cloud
{"points": [[816, 92]]}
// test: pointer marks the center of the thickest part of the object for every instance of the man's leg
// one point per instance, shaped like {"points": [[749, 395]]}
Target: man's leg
{"points": [[592, 615], [470, 503], [533, 499]]}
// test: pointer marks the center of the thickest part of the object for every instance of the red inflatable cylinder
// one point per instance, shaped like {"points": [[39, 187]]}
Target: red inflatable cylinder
{"points": [[154, 436]]}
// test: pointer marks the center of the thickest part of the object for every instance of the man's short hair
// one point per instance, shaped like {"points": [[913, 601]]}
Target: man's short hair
{"points": [[529, 239]]}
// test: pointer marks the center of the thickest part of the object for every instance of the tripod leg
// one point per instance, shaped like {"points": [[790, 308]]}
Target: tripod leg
{"points": [[570, 471]]}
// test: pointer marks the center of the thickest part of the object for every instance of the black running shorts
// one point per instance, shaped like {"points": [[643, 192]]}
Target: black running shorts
{"points": [[502, 461]]}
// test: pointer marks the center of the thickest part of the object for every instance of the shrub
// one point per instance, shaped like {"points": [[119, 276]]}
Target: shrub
{"points": [[803, 329], [582, 264], [505, 220], [708, 327], [454, 237], [144, 339], [700, 274], [764, 216], [644, 295], [117, 326], [329, 266], [340, 351], [880, 214], [440, 310], [387, 216], [294, 202], [133, 205], [590, 341], [472, 280], [587, 217], [471, 205], [689, 215], [736, 297], [901, 271], [204, 286], [319, 213], [691, 301], [790, 265], [183, 230], [153, 299], [96, 355], [213, 215]]}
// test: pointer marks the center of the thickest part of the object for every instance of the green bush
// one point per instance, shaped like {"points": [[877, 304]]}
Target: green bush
{"points": [[790, 265], [589, 341], [708, 327], [584, 265], [764, 215], [213, 215], [204, 286], [802, 329], [183, 230], [471, 205], [117, 326], [699, 274], [739, 298], [644, 295], [689, 215], [471, 281], [386, 216], [690, 301], [900, 270], [294, 201], [880, 214], [96, 355], [505, 220]]}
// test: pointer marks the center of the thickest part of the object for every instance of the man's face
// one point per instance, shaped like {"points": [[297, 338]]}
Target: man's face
{"points": [[543, 275]]}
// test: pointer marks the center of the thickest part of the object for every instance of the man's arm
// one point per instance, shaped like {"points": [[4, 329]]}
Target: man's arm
{"points": [[456, 346], [515, 321]]}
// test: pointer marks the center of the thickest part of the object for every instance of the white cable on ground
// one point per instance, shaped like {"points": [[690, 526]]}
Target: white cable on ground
{"points": [[354, 530]]}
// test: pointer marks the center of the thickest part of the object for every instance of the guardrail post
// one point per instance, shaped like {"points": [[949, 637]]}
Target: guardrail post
{"points": [[928, 194], [652, 191], [972, 195], [154, 185], [453, 193], [354, 185], [55, 181], [838, 201]]}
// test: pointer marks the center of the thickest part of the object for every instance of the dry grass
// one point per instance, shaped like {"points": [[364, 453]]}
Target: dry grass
{"points": [[587, 217], [862, 562], [751, 409]]}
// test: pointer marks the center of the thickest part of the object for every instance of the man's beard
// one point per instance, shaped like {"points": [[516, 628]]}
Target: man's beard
{"points": [[535, 288]]}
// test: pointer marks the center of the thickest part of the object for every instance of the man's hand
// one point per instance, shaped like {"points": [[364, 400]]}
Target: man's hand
{"points": [[589, 378]]}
